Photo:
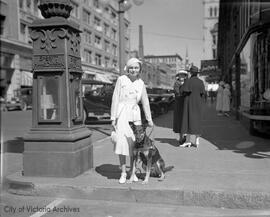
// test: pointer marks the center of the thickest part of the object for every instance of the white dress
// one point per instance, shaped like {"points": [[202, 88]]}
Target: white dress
{"points": [[125, 108], [219, 98]]}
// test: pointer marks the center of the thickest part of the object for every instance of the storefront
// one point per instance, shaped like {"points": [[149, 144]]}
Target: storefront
{"points": [[250, 81], [244, 59], [255, 82]]}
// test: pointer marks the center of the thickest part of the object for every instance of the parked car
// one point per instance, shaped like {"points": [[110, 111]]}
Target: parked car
{"points": [[163, 99], [22, 100], [97, 98]]}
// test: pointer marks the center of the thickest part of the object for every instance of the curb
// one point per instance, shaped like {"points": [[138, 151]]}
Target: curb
{"points": [[183, 197]]}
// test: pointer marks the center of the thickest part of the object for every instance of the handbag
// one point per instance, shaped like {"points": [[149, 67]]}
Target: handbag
{"points": [[114, 134], [114, 137]]}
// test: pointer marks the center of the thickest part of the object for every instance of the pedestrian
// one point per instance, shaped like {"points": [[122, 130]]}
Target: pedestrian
{"points": [[179, 105], [194, 91], [226, 100], [219, 101], [128, 92]]}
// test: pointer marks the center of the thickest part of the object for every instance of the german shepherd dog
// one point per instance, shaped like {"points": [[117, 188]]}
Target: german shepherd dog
{"points": [[145, 150]]}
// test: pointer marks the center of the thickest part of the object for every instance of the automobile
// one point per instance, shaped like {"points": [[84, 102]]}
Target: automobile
{"points": [[21, 100], [162, 98], [97, 98]]}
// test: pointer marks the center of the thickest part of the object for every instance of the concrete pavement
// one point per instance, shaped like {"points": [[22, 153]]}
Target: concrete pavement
{"points": [[230, 169]]}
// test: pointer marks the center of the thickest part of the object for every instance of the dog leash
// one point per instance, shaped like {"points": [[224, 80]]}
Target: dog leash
{"points": [[151, 131]]}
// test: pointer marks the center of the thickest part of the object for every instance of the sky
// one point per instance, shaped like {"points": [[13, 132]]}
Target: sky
{"points": [[169, 27]]}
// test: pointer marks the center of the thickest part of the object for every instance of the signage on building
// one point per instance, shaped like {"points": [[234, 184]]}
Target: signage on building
{"points": [[209, 67]]}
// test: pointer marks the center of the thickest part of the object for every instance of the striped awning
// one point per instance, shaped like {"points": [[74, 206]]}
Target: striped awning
{"points": [[26, 78], [104, 78]]}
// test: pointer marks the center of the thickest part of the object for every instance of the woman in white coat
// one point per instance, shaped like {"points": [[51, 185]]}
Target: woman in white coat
{"points": [[129, 91], [219, 98]]}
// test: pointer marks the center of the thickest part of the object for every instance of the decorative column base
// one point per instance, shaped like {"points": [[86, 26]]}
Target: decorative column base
{"points": [[57, 153]]}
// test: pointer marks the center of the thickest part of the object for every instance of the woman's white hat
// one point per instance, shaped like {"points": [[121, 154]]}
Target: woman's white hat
{"points": [[131, 61]]}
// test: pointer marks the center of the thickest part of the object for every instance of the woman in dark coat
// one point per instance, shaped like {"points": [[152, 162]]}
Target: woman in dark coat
{"points": [[194, 91], [179, 105]]}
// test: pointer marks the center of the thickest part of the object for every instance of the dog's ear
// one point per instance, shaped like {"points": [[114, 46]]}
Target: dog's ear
{"points": [[132, 125]]}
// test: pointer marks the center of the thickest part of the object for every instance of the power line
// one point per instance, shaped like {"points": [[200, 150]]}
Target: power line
{"points": [[171, 36]]}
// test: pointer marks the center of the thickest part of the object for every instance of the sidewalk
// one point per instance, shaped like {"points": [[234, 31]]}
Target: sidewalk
{"points": [[230, 169]]}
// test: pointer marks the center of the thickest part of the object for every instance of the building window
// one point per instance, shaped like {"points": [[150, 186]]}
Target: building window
{"points": [[29, 39], [211, 11], [97, 24], [87, 56], [214, 39], [87, 37], [214, 54], [106, 29], [74, 11], [21, 4], [113, 16], [107, 62], [107, 10], [2, 20], [115, 63], [96, 4], [23, 30], [107, 46], [98, 42], [86, 17], [113, 34], [98, 59], [215, 12], [28, 4], [114, 49], [127, 42]]}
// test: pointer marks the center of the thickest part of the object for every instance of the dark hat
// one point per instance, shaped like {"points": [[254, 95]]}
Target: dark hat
{"points": [[193, 69]]}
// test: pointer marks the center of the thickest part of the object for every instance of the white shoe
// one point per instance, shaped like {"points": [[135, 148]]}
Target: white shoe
{"points": [[135, 179], [123, 178], [185, 145]]}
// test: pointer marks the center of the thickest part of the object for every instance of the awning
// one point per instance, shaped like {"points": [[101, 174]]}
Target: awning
{"points": [[89, 72], [26, 78], [104, 78]]}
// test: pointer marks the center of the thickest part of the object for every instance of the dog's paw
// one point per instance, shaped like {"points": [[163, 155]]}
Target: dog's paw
{"points": [[145, 182], [135, 179], [129, 181], [162, 178]]}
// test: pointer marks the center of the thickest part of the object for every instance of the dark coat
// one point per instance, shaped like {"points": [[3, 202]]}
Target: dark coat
{"points": [[178, 107], [194, 91]]}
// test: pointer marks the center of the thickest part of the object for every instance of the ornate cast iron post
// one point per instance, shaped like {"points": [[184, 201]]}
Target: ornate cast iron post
{"points": [[58, 144]]}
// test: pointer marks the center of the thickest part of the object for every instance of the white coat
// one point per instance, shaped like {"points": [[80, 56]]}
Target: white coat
{"points": [[219, 98], [226, 100], [125, 108]]}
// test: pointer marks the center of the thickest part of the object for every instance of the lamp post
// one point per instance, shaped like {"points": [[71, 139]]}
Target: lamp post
{"points": [[123, 5]]}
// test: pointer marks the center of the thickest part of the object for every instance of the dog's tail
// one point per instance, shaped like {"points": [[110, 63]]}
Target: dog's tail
{"points": [[169, 168]]}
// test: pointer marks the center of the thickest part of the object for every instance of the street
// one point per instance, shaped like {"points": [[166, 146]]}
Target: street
{"points": [[19, 206], [232, 149]]}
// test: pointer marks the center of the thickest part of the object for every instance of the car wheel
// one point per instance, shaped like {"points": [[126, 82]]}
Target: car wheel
{"points": [[23, 106], [4, 109]]}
